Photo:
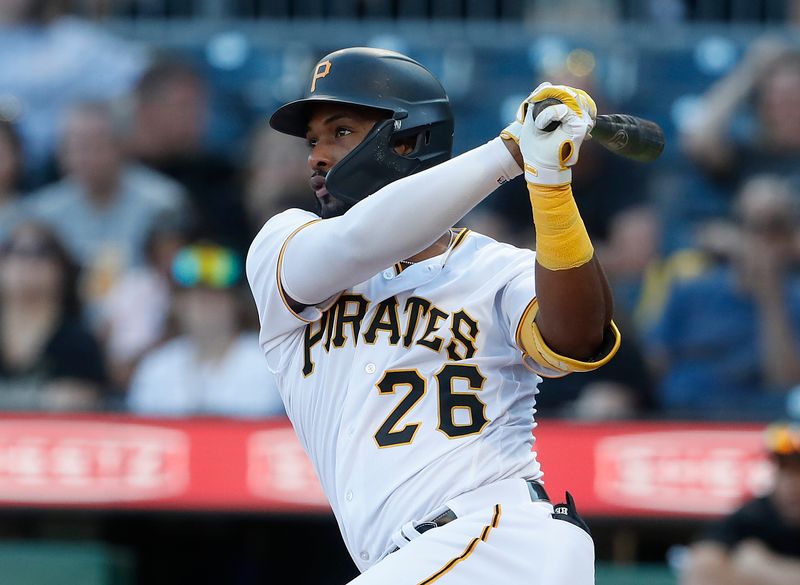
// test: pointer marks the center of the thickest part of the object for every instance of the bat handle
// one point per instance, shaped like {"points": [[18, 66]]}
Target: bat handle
{"points": [[634, 138], [628, 136], [541, 105]]}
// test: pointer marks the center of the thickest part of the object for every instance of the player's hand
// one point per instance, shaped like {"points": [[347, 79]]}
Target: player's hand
{"points": [[548, 156], [514, 130]]}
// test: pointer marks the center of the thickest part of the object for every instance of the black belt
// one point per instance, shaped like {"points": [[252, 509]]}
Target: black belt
{"points": [[535, 489]]}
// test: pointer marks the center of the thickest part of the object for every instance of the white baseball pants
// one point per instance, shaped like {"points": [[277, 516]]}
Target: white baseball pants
{"points": [[500, 536]]}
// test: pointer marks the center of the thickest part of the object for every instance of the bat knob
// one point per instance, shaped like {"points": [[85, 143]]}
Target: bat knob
{"points": [[541, 105]]}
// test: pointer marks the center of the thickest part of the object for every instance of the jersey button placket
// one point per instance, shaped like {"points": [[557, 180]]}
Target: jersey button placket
{"points": [[370, 368]]}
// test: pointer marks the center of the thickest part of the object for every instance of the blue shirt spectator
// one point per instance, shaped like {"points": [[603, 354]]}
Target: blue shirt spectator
{"points": [[10, 171], [729, 341], [710, 333]]}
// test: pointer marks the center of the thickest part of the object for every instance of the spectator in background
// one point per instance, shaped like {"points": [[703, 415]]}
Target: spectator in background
{"points": [[728, 342], [758, 544], [10, 177], [171, 109], [640, 276], [633, 244], [276, 176], [48, 358], [105, 206], [215, 365], [750, 122], [134, 314], [51, 61]]}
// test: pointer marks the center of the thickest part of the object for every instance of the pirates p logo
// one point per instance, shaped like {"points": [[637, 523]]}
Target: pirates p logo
{"points": [[321, 71]]}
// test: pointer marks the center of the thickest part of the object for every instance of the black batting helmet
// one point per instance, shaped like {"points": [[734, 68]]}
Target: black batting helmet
{"points": [[415, 104]]}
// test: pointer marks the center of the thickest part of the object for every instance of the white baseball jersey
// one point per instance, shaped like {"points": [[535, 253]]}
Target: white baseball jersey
{"points": [[409, 388]]}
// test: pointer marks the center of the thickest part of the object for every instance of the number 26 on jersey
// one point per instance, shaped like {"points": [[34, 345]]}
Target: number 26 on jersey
{"points": [[393, 432]]}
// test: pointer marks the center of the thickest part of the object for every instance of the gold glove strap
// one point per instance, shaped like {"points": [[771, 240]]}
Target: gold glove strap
{"points": [[530, 340], [561, 238]]}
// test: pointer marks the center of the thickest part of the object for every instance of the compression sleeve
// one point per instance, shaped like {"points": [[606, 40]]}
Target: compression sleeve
{"points": [[402, 219]]}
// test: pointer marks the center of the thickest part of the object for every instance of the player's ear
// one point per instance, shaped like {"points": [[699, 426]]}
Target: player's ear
{"points": [[405, 145]]}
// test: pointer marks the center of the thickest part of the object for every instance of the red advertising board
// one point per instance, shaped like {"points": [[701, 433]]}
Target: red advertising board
{"points": [[620, 469], [653, 469]]}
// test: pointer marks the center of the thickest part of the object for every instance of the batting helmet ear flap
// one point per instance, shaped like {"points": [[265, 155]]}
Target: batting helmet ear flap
{"points": [[370, 166]]}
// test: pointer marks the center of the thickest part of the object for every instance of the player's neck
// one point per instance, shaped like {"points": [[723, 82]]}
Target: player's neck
{"points": [[438, 247]]}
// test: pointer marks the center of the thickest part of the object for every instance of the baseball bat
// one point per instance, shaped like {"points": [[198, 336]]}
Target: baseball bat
{"points": [[634, 138]]}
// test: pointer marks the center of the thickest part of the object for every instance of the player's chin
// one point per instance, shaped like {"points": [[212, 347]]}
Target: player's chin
{"points": [[329, 207]]}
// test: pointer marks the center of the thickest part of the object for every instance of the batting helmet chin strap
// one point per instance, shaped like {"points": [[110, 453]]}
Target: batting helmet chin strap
{"points": [[370, 166]]}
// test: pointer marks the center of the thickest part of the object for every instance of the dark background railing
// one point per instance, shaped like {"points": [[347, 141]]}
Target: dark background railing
{"points": [[637, 10]]}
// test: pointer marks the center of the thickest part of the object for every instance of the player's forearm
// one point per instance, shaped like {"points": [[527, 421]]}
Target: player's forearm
{"points": [[397, 222], [575, 301]]}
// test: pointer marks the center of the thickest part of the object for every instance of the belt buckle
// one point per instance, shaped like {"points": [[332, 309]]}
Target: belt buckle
{"points": [[425, 526], [401, 538], [537, 491]]}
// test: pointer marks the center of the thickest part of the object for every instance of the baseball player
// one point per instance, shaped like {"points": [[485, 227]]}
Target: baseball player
{"points": [[408, 352]]}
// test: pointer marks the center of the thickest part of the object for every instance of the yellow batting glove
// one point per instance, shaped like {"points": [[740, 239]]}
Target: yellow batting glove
{"points": [[562, 242], [543, 91], [549, 155]]}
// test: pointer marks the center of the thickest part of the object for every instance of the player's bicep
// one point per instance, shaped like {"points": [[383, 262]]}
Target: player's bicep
{"points": [[264, 268], [294, 268], [517, 299], [324, 258], [529, 339], [290, 300], [520, 307]]}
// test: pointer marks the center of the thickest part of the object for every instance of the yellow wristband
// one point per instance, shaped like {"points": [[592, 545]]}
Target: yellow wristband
{"points": [[561, 238]]}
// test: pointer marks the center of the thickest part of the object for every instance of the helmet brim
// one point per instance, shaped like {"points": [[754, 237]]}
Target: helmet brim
{"points": [[292, 118]]}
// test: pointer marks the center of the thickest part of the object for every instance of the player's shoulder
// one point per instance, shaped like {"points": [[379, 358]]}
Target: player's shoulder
{"points": [[276, 230], [289, 219]]}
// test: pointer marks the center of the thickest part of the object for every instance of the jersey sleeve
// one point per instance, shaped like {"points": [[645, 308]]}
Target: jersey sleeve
{"points": [[520, 306], [263, 266]]}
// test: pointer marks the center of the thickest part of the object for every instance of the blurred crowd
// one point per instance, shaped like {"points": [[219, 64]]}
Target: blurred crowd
{"points": [[758, 543], [123, 237]]}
